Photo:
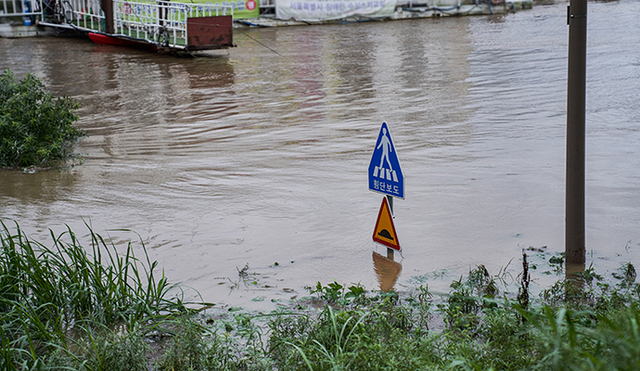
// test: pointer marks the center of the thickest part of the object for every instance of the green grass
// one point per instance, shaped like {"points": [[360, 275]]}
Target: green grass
{"points": [[478, 333], [96, 306], [67, 300]]}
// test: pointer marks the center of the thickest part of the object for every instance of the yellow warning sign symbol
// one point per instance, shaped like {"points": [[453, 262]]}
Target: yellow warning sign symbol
{"points": [[385, 232]]}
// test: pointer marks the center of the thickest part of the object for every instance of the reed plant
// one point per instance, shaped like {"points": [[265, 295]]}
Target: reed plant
{"points": [[65, 299]]}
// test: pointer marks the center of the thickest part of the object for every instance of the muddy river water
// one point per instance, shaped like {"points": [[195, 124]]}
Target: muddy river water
{"points": [[258, 155]]}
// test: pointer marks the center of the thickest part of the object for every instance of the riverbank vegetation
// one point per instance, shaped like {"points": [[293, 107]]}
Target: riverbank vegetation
{"points": [[96, 306], [36, 129]]}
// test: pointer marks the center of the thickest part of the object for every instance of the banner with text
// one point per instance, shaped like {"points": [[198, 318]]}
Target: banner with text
{"points": [[323, 10]]}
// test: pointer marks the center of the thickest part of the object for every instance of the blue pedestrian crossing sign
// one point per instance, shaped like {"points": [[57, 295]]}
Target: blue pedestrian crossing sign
{"points": [[385, 175]]}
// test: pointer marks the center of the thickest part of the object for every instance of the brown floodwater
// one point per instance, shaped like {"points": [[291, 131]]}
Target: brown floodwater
{"points": [[259, 155]]}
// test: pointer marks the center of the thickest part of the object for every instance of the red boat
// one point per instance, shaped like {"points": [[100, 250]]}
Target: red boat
{"points": [[103, 39]]}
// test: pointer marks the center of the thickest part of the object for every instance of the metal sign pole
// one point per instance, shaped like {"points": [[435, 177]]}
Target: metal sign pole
{"points": [[575, 186], [389, 250]]}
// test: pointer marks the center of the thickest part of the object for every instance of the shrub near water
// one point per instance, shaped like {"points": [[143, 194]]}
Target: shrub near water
{"points": [[35, 128]]}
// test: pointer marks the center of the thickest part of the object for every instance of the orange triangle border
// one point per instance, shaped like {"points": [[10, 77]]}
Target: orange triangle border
{"points": [[384, 208]]}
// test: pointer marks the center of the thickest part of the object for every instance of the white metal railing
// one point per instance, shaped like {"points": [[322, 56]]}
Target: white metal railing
{"points": [[83, 13], [161, 21], [20, 8]]}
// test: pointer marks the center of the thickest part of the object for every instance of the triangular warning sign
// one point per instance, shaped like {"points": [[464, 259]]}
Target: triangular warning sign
{"points": [[385, 232]]}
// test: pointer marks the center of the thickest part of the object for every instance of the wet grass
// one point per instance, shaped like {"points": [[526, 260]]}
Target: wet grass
{"points": [[72, 307], [595, 326], [67, 305]]}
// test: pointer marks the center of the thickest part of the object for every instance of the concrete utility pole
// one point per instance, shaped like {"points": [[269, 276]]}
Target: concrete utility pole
{"points": [[575, 195]]}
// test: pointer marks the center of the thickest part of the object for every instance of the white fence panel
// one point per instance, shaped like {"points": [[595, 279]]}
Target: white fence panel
{"points": [[83, 13], [162, 22], [20, 8]]}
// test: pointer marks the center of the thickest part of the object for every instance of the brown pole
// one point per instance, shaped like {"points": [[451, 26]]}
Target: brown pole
{"points": [[164, 11], [575, 187], [107, 8]]}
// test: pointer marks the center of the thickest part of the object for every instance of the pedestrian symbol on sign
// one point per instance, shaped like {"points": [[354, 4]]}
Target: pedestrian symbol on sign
{"points": [[385, 175], [379, 171]]}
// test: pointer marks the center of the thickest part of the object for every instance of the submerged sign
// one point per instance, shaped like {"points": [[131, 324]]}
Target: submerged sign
{"points": [[385, 231], [385, 174], [322, 10]]}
